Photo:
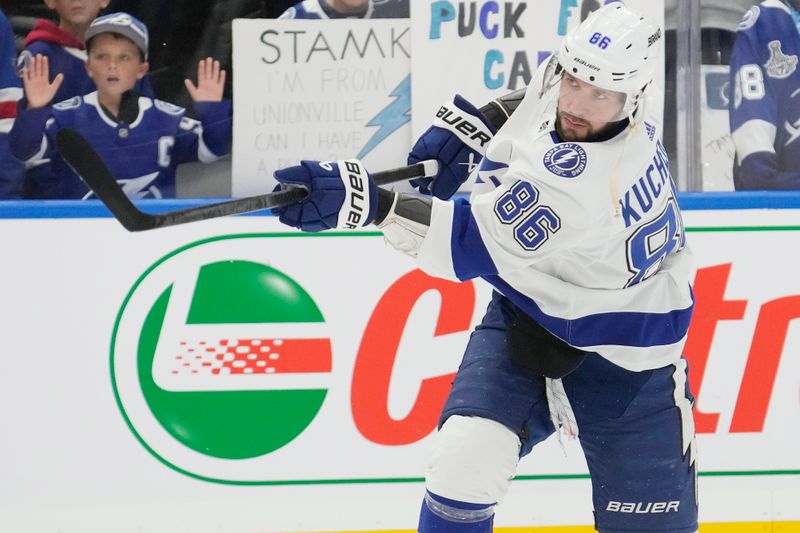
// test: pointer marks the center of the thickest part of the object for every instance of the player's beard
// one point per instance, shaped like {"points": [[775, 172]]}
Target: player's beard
{"points": [[587, 134]]}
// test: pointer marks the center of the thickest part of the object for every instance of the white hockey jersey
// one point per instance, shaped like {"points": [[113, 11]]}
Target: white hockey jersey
{"points": [[600, 261]]}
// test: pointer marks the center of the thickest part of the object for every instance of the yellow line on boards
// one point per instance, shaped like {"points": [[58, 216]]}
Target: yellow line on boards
{"points": [[732, 527]]}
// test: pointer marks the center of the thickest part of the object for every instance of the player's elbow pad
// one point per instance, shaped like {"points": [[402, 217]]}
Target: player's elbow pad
{"points": [[404, 220], [499, 110]]}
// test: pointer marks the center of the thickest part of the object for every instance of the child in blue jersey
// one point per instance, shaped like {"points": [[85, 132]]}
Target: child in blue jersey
{"points": [[336, 9], [64, 46], [141, 139], [11, 170], [765, 97]]}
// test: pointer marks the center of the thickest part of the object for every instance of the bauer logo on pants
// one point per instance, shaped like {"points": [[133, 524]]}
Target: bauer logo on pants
{"points": [[217, 357]]}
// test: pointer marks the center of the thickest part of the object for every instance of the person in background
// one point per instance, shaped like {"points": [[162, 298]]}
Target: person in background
{"points": [[765, 97], [64, 47], [11, 170], [336, 9], [718, 22], [141, 139]]}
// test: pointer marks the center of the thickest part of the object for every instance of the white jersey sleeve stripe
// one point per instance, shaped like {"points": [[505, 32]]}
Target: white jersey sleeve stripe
{"points": [[204, 153], [754, 136], [430, 257]]}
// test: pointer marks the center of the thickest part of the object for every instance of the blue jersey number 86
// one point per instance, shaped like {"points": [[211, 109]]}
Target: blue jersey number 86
{"points": [[534, 223]]}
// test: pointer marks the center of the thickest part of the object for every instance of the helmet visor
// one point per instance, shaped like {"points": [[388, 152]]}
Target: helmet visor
{"points": [[590, 103]]}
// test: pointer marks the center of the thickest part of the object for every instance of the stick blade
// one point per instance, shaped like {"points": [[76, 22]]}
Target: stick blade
{"points": [[87, 164]]}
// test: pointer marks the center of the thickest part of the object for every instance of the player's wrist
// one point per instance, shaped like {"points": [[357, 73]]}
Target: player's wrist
{"points": [[385, 202]]}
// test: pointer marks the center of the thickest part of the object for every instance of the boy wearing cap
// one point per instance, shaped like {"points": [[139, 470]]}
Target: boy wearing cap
{"points": [[141, 139], [64, 46]]}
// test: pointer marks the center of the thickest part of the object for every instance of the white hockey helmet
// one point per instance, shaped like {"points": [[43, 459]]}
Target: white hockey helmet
{"points": [[615, 49]]}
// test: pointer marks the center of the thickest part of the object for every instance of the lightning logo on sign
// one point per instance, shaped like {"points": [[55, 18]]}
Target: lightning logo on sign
{"points": [[390, 118]]}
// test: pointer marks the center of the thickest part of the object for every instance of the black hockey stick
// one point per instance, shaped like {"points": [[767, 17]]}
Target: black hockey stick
{"points": [[86, 162]]}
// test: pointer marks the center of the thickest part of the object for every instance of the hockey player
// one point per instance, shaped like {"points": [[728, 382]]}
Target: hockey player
{"points": [[765, 97], [142, 140], [336, 9], [574, 221], [10, 91]]}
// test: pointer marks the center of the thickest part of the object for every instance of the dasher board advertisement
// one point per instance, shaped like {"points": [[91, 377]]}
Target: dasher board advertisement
{"points": [[233, 375]]}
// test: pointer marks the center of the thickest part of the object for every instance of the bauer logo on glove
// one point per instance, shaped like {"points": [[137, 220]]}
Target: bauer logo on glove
{"points": [[341, 194], [457, 140], [458, 121], [356, 186]]}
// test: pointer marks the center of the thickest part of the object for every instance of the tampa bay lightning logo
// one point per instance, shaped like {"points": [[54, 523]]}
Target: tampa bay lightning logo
{"points": [[567, 160]]}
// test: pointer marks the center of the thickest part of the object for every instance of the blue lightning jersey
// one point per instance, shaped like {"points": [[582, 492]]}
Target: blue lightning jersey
{"points": [[585, 237], [375, 9], [11, 171], [765, 104], [142, 154]]}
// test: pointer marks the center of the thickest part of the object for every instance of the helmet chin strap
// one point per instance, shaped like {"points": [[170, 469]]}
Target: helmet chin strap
{"points": [[636, 108], [634, 111], [615, 204], [552, 75], [635, 117]]}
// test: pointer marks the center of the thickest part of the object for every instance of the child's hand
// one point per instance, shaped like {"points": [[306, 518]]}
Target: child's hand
{"points": [[36, 79], [210, 82]]}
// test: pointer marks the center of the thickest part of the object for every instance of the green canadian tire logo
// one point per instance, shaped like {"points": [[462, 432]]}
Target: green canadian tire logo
{"points": [[217, 359]]}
